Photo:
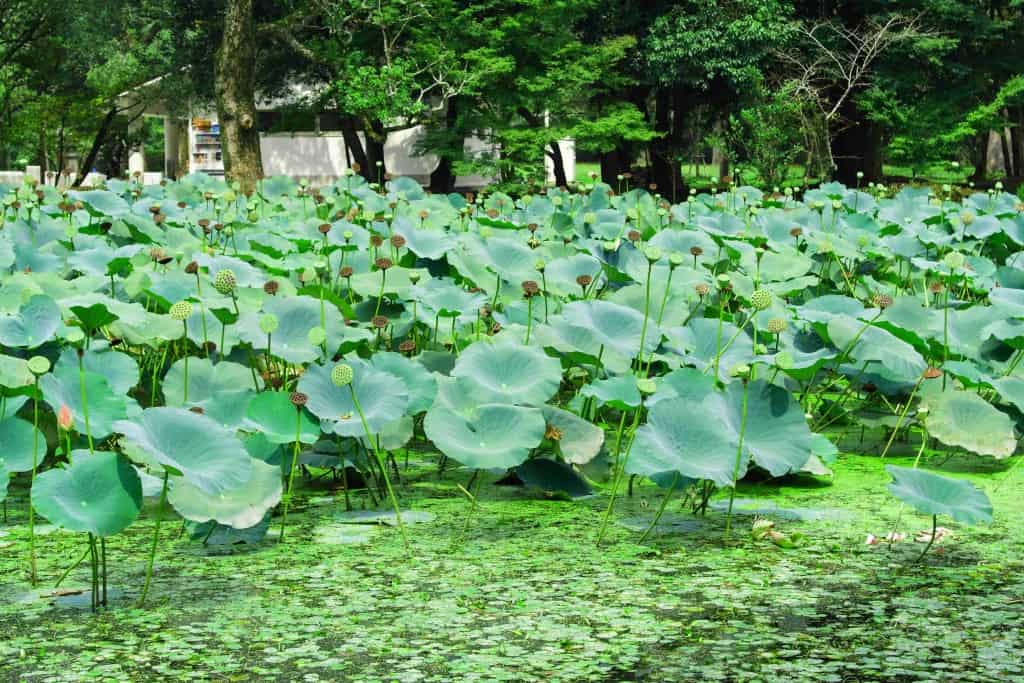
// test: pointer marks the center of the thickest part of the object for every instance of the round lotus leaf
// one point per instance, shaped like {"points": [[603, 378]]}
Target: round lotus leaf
{"points": [[420, 381], [34, 324], [17, 439], [965, 419], [618, 392], [100, 494], [508, 372], [62, 387], [120, 370], [587, 326], [223, 390], [482, 436], [934, 494], [296, 316], [273, 414], [206, 454], [552, 476], [240, 508], [382, 396]]}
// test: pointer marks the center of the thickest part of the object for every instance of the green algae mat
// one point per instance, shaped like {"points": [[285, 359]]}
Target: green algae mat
{"points": [[522, 593]]}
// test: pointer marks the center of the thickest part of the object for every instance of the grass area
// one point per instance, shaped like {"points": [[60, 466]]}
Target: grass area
{"points": [[525, 595], [700, 175]]}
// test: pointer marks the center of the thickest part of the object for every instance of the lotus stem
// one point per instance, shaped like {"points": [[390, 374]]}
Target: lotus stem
{"points": [[529, 319], [72, 567], [647, 315], [185, 345], [35, 464], [156, 539], [739, 460], [661, 508], [380, 294], [935, 528], [291, 473], [619, 469], [85, 403], [383, 468], [902, 417]]}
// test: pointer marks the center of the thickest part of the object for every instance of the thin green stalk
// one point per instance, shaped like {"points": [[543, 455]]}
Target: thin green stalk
{"points": [[156, 540], [739, 461], [935, 527], [619, 469], [380, 294], [647, 315], [661, 508], [902, 417], [383, 468], [291, 473], [85, 402], [35, 465], [529, 319]]}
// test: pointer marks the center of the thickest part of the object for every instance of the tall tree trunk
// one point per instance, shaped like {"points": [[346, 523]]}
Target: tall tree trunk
{"points": [[97, 145], [661, 148], [235, 88], [442, 180], [554, 152], [376, 136], [980, 157], [1016, 116], [1004, 141], [857, 147], [614, 164], [354, 146]]}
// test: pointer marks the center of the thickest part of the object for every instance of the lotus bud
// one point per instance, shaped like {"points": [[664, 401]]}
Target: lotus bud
{"points": [[225, 281], [38, 365], [760, 349], [307, 275], [268, 323], [65, 421], [181, 311], [341, 375]]}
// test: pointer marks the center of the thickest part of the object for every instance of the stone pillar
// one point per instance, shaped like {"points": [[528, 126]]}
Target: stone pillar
{"points": [[137, 155]]}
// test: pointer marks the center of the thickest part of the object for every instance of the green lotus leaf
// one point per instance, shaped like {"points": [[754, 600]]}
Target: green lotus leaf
{"points": [[93, 317], [682, 383], [296, 316], [776, 435], [273, 414], [420, 381], [14, 372], [483, 436], [120, 370], [442, 297], [100, 494], [62, 388], [587, 326], [240, 508], [223, 390], [876, 345], [618, 392], [579, 441], [934, 494], [34, 324], [508, 372], [184, 443], [17, 440], [700, 341], [965, 419], [382, 396], [553, 476]]}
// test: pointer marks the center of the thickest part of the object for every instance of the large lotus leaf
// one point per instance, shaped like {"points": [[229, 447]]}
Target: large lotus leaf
{"points": [[273, 413], [296, 316], [561, 274], [876, 345], [618, 392], [420, 381], [102, 203], [553, 476], [682, 383], [5, 479], [99, 493], [776, 435], [62, 387], [700, 341], [824, 308], [934, 494], [425, 243], [35, 323], [965, 419], [206, 454], [17, 440], [507, 372], [587, 326], [239, 508], [223, 390], [483, 436], [579, 441], [14, 372], [397, 282], [382, 396], [443, 297], [119, 369]]}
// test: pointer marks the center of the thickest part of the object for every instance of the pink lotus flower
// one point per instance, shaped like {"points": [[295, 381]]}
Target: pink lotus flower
{"points": [[65, 421]]}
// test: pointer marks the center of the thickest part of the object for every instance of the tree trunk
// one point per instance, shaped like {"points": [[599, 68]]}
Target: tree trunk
{"points": [[1016, 115], [554, 153], [97, 145], [442, 180], [660, 149], [1004, 141], [857, 148], [235, 88], [614, 164], [354, 146], [980, 157], [376, 135]]}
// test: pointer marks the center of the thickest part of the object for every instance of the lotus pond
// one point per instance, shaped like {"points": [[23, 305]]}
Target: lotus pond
{"points": [[365, 433]]}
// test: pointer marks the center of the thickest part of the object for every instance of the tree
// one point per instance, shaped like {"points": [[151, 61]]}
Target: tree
{"points": [[235, 86]]}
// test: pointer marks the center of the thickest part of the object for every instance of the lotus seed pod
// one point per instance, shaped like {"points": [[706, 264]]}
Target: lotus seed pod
{"points": [[610, 245], [653, 254], [341, 375], [646, 386], [954, 260], [414, 276], [268, 323], [777, 325], [225, 281], [316, 336], [540, 265], [253, 216], [38, 365], [836, 205], [882, 301], [584, 281], [75, 335], [181, 310], [761, 299], [760, 349], [723, 281], [347, 235], [379, 322], [675, 259], [966, 217], [407, 346], [740, 371], [702, 289], [271, 287], [298, 399]]}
